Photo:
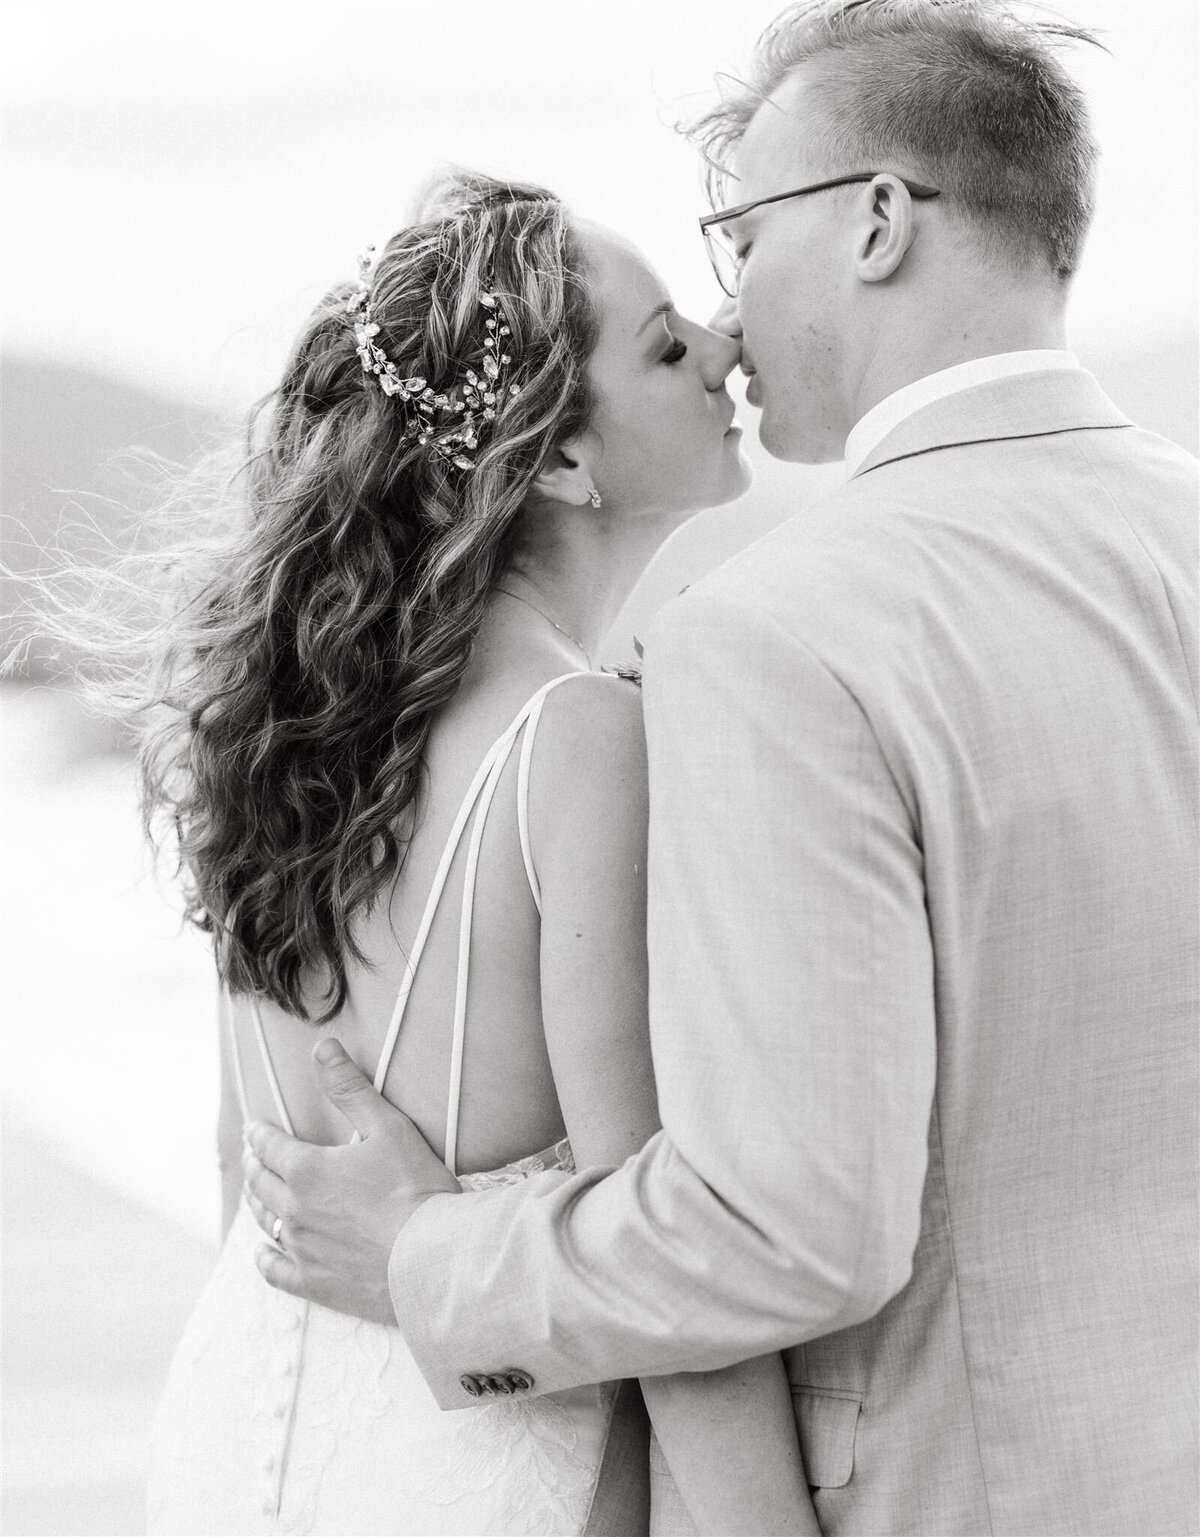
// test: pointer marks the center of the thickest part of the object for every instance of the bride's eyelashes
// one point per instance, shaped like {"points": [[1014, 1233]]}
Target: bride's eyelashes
{"points": [[675, 353]]}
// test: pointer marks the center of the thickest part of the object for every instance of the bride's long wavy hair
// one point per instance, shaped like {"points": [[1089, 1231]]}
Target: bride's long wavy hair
{"points": [[286, 705]]}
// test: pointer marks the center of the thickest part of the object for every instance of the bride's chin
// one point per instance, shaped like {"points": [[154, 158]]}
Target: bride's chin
{"points": [[731, 489], [741, 478], [734, 474], [733, 479]]}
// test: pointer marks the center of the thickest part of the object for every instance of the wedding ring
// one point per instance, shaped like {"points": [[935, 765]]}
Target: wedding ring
{"points": [[276, 1229]]}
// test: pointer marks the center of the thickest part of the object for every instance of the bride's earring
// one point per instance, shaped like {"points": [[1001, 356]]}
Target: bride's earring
{"points": [[593, 496]]}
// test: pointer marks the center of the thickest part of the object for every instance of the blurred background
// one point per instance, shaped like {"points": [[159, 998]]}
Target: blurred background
{"points": [[182, 183]]}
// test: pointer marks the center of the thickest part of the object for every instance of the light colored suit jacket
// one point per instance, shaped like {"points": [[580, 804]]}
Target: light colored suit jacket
{"points": [[923, 908]]}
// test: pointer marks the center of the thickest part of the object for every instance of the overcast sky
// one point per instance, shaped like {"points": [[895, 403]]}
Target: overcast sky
{"points": [[183, 182]]}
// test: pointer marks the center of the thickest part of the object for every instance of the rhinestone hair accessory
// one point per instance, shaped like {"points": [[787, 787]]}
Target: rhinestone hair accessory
{"points": [[448, 422]]}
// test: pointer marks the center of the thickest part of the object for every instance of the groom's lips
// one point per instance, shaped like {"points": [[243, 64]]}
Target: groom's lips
{"points": [[752, 390]]}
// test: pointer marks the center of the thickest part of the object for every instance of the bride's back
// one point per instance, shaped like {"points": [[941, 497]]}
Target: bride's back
{"points": [[508, 1105]]}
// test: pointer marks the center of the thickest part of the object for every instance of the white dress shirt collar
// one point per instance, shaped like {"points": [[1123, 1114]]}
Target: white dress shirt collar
{"points": [[870, 430]]}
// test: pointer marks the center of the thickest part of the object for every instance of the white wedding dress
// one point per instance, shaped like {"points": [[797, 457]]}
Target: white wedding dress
{"points": [[282, 1416]]}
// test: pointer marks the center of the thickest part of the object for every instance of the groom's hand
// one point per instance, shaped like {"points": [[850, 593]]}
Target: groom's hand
{"points": [[333, 1213]]}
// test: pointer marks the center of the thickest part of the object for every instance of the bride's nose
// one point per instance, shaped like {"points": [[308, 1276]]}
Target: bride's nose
{"points": [[725, 319], [722, 354]]}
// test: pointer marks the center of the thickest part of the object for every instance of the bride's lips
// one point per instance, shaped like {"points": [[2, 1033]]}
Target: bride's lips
{"points": [[753, 393]]}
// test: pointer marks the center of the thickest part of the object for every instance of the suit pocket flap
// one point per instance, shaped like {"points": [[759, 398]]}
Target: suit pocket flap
{"points": [[827, 1419]]}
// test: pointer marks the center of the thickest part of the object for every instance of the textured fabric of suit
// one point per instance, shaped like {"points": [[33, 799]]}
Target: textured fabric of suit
{"points": [[923, 907]]}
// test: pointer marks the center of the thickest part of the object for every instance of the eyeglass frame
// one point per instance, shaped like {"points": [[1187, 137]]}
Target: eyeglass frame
{"points": [[725, 215]]}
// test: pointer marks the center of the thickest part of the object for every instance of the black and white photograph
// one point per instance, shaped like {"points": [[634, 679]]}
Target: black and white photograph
{"points": [[600, 768]]}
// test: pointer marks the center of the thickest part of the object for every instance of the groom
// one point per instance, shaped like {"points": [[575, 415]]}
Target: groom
{"points": [[922, 863]]}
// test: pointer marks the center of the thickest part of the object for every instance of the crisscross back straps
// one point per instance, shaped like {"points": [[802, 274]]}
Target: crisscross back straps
{"points": [[494, 755], [529, 718], [479, 795]]}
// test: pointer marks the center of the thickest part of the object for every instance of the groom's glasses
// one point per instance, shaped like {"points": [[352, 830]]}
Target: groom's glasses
{"points": [[722, 251]]}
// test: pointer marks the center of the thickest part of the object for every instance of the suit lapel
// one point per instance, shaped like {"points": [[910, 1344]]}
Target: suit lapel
{"points": [[1021, 406]]}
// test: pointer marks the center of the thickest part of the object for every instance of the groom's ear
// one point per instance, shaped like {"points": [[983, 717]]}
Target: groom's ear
{"points": [[566, 475], [886, 230]]}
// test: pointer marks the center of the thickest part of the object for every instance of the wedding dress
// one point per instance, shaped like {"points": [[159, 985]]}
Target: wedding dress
{"points": [[283, 1416]]}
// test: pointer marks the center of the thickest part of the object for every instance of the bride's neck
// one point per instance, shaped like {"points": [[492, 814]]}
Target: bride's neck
{"points": [[579, 565]]}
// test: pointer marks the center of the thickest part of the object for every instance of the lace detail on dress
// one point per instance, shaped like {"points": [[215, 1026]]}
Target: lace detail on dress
{"points": [[344, 1395], [522, 1451], [281, 1416], [559, 1156], [519, 1452], [522, 1454]]}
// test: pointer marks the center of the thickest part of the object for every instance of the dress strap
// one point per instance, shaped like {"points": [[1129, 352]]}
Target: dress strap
{"points": [[225, 1009], [285, 1119], [523, 769], [225, 1005], [450, 1154]]}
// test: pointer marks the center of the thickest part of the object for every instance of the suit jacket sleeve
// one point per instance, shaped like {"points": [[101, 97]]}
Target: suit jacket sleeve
{"points": [[792, 1021]]}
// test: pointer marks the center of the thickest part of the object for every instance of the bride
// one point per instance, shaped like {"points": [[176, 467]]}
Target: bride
{"points": [[412, 813]]}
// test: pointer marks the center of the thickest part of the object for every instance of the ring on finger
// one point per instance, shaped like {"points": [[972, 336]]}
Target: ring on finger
{"points": [[276, 1229]]}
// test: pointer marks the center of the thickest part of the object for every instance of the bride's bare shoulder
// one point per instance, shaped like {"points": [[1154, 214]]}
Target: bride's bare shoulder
{"points": [[589, 709], [589, 756]]}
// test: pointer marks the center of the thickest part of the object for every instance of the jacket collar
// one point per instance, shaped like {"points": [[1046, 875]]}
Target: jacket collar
{"points": [[1021, 406]]}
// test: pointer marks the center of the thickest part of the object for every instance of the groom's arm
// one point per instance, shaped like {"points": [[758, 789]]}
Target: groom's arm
{"points": [[792, 1027]]}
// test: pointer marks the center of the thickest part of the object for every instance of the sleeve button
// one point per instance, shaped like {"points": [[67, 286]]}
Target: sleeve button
{"points": [[521, 1381], [470, 1385]]}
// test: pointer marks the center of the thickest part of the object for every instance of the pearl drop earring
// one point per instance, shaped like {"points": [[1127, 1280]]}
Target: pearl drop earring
{"points": [[593, 496]]}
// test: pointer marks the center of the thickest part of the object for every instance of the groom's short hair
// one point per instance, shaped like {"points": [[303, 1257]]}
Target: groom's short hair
{"points": [[964, 94]]}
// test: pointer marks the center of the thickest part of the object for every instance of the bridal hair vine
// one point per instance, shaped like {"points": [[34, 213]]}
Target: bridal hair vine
{"points": [[447, 421]]}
